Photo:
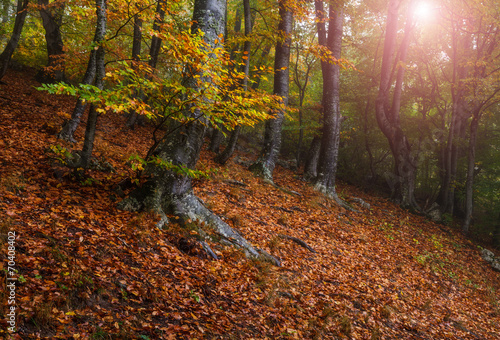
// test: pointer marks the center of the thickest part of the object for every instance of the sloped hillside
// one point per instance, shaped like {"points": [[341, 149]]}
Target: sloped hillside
{"points": [[85, 270]]}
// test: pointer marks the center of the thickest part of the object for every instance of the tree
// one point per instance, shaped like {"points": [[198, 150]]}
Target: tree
{"points": [[331, 45], [154, 49], [265, 164], [96, 61], [168, 189], [52, 15], [302, 74], [22, 11], [473, 33], [482, 90], [387, 113], [224, 156]]}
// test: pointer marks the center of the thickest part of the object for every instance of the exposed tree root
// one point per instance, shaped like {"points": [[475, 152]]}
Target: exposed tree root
{"points": [[298, 241], [332, 194], [189, 208], [361, 202]]}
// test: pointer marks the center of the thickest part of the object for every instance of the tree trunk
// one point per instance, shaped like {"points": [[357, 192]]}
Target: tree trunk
{"points": [[52, 20], [403, 180], [311, 165], [263, 57], [469, 185], [69, 127], [462, 45], [327, 166], [218, 136], [154, 50], [167, 192], [100, 71], [216, 139], [224, 156], [136, 52], [22, 11], [266, 163], [302, 87]]}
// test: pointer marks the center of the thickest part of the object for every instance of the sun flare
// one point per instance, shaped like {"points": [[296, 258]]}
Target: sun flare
{"points": [[423, 10]]}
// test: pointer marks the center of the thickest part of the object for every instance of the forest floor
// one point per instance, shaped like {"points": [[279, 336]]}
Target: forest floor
{"points": [[86, 270]]}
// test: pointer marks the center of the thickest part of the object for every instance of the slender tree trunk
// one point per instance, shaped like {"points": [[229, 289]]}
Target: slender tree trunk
{"points": [[22, 11], [52, 20], [469, 185], [88, 143], [216, 139], [69, 127], [456, 137], [262, 61], [154, 50], [311, 165], [218, 136], [136, 51], [224, 156], [266, 163], [403, 181], [461, 46], [302, 87], [298, 153], [327, 166]]}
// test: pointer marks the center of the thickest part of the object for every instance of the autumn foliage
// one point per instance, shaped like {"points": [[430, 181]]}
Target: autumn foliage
{"points": [[89, 271]]}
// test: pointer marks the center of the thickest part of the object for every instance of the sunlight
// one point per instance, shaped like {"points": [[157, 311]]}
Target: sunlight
{"points": [[423, 11]]}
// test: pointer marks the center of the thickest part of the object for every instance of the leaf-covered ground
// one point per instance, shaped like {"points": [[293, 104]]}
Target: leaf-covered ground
{"points": [[89, 271]]}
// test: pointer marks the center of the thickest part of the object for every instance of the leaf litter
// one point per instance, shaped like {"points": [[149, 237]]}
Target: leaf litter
{"points": [[91, 271]]}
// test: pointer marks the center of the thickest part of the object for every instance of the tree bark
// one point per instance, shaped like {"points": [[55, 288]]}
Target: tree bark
{"points": [[461, 45], [22, 11], [327, 166], [224, 156], [262, 61], [154, 50], [52, 20], [100, 71], [266, 163], [69, 127], [403, 180], [469, 185], [136, 51], [302, 87], [311, 165]]}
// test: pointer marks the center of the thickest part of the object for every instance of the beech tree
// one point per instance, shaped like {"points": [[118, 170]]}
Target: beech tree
{"points": [[52, 15], [21, 12], [265, 164], [331, 45], [169, 187], [154, 49], [95, 65], [224, 156], [387, 112]]}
